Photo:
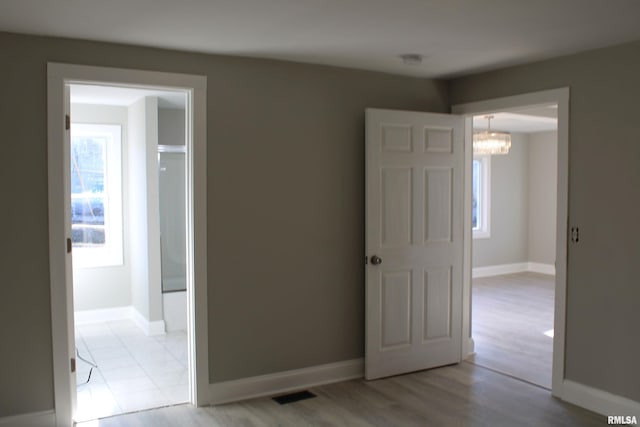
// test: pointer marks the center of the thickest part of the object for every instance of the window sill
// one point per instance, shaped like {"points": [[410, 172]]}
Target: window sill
{"points": [[87, 258], [481, 235]]}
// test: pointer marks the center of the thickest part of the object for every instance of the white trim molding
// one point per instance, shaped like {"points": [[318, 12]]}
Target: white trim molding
{"points": [[282, 382], [498, 270], [536, 267], [149, 327], [599, 401], [32, 419], [519, 267], [84, 317]]}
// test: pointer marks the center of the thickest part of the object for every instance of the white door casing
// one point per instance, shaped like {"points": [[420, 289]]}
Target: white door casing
{"points": [[414, 224], [68, 258], [59, 76]]}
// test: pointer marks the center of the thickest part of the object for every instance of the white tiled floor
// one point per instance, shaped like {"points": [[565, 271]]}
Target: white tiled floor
{"points": [[134, 371]]}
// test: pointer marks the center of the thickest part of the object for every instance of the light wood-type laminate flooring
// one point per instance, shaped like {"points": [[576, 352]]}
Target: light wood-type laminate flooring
{"points": [[466, 394], [510, 315], [457, 395]]}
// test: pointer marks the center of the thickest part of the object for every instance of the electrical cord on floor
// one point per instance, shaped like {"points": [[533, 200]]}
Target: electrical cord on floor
{"points": [[93, 365]]}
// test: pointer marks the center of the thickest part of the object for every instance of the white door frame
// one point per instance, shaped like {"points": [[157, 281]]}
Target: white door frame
{"points": [[553, 96], [58, 77]]}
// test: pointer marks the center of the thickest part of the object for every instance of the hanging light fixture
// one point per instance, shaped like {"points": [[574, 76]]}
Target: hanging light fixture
{"points": [[491, 142]]}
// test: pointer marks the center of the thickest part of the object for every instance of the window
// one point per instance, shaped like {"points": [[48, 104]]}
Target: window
{"points": [[96, 195], [481, 201]]}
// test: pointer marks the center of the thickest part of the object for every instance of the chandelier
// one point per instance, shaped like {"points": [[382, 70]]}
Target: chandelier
{"points": [[491, 142]]}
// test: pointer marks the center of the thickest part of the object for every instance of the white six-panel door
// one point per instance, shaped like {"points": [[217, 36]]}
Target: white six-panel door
{"points": [[414, 237]]}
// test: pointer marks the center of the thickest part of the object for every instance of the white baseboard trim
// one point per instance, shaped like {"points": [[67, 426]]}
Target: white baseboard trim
{"points": [[519, 267], [497, 270], [282, 382], [32, 419], [174, 310], [85, 317], [537, 267], [470, 348], [599, 401], [155, 327]]}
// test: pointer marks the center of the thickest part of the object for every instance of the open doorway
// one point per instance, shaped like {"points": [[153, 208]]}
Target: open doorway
{"points": [[513, 251], [139, 231], [560, 98], [128, 227]]}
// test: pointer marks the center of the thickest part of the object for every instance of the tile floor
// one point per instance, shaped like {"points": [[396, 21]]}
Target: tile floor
{"points": [[134, 371]]}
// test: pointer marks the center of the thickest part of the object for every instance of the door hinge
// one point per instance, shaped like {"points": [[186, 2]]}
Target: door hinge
{"points": [[366, 260], [73, 364], [69, 245], [67, 122]]}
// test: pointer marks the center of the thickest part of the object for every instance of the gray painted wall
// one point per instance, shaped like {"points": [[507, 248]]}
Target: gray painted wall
{"points": [[171, 126], [285, 207], [543, 177], [509, 214], [603, 288]]}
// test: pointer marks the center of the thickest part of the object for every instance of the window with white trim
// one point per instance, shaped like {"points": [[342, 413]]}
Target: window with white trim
{"points": [[481, 200], [96, 195]]}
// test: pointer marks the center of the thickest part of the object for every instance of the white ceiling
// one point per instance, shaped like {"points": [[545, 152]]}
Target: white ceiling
{"points": [[540, 119], [455, 36], [124, 96]]}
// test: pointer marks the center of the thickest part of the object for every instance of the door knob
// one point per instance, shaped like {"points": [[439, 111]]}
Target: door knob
{"points": [[376, 260]]}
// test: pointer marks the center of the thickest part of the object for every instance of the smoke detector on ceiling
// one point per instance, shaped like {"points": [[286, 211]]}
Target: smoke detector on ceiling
{"points": [[411, 58]]}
